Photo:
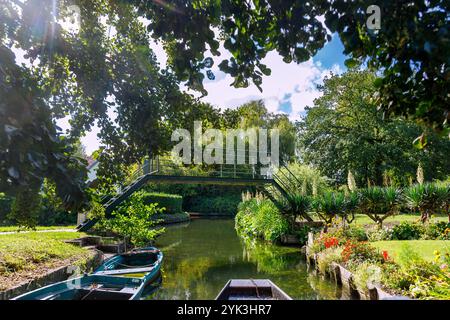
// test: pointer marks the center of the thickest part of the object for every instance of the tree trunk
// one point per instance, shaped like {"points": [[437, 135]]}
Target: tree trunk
{"points": [[424, 216]]}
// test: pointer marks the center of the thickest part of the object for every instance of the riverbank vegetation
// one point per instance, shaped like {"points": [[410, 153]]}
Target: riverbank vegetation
{"points": [[25, 256], [258, 217], [134, 219]]}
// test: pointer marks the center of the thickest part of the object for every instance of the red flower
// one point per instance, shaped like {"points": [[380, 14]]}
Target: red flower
{"points": [[331, 242], [385, 255]]}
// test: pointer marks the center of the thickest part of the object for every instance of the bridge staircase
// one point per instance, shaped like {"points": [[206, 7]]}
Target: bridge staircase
{"points": [[278, 187]]}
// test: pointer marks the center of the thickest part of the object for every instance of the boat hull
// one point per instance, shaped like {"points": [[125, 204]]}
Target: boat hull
{"points": [[251, 289]]}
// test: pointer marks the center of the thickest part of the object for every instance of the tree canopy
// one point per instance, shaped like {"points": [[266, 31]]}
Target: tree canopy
{"points": [[104, 73], [345, 132]]}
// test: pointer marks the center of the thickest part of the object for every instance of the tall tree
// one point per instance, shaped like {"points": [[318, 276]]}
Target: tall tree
{"points": [[345, 131]]}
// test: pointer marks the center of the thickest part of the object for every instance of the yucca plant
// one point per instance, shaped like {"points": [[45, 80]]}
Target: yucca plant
{"points": [[427, 198], [329, 205], [379, 203], [351, 206], [299, 205]]}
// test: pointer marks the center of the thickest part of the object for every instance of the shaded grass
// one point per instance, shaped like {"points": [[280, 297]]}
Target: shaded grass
{"points": [[38, 228], [425, 248], [27, 255]]}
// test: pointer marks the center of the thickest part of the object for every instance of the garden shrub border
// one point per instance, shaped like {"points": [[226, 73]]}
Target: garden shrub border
{"points": [[345, 279]]}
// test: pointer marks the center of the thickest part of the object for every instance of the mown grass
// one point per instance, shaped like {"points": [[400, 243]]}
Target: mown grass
{"points": [[26, 255], [38, 228], [425, 248]]}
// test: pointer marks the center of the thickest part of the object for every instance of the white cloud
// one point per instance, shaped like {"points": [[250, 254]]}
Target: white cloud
{"points": [[298, 80]]}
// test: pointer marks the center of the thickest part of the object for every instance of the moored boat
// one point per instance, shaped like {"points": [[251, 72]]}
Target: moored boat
{"points": [[140, 260], [122, 277], [251, 289]]}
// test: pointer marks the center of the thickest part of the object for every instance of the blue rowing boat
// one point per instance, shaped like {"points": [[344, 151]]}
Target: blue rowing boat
{"points": [[122, 277], [140, 260]]}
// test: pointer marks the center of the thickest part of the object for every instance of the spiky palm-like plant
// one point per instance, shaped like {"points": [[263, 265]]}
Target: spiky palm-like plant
{"points": [[427, 198], [380, 203], [352, 201], [329, 205], [299, 205]]}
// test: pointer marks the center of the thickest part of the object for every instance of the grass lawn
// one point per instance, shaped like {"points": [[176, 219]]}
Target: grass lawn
{"points": [[16, 228], [424, 248], [362, 219], [24, 256]]}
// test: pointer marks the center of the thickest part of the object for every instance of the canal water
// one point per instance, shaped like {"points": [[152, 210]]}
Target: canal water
{"points": [[202, 255]]}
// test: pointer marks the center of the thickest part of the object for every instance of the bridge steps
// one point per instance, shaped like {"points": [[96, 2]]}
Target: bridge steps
{"points": [[277, 188]]}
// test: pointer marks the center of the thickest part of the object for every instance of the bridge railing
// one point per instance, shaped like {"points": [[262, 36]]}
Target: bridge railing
{"points": [[163, 166]]}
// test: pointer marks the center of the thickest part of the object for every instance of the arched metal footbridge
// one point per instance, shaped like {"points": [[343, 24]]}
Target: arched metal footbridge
{"points": [[277, 186]]}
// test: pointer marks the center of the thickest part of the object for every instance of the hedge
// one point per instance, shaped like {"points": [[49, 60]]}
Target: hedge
{"points": [[172, 202], [226, 205]]}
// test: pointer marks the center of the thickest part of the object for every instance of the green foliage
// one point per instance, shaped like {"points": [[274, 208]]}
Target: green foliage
{"points": [[354, 232], [171, 202], [407, 231], [379, 203], [299, 205], [418, 278], [78, 74], [427, 198], [329, 205], [52, 211], [260, 218], [25, 209], [302, 234], [345, 130], [5, 208], [437, 231], [366, 272], [326, 257], [409, 84], [226, 204], [379, 234], [134, 220], [309, 181]]}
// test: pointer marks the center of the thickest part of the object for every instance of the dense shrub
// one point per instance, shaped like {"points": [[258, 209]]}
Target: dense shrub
{"points": [[260, 218], [133, 219], [226, 204], [355, 252], [171, 202], [437, 231], [407, 231], [379, 234]]}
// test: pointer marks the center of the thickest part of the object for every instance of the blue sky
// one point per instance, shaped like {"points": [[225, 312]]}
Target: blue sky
{"points": [[289, 89]]}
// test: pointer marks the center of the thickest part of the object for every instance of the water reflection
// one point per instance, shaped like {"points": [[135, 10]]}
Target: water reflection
{"points": [[201, 256]]}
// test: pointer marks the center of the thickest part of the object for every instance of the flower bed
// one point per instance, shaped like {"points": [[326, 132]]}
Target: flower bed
{"points": [[369, 273]]}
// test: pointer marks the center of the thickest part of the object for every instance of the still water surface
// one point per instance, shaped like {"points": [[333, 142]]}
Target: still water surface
{"points": [[202, 255]]}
